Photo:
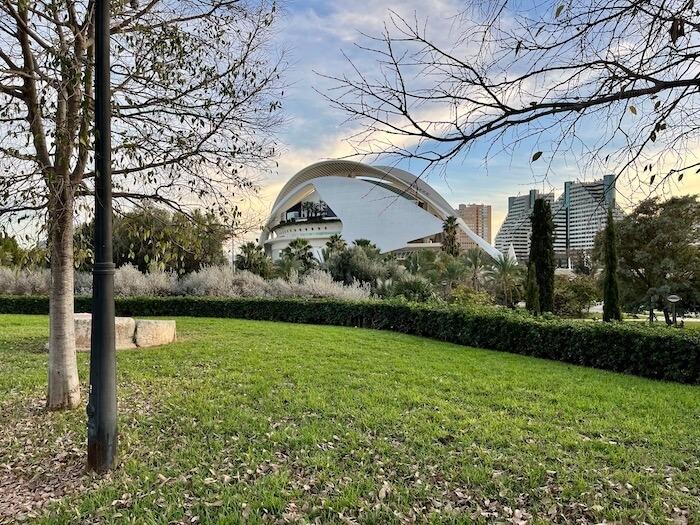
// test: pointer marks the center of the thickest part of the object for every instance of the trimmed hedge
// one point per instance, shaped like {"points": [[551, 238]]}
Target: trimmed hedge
{"points": [[628, 348]]}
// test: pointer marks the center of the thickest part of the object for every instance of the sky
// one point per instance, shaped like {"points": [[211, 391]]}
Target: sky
{"points": [[315, 34]]}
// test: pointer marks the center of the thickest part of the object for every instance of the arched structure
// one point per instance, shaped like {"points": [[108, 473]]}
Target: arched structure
{"points": [[394, 209]]}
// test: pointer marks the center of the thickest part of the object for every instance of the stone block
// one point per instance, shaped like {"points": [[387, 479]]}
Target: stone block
{"points": [[124, 329], [151, 332]]}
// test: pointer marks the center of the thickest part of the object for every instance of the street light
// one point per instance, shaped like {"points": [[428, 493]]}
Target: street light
{"points": [[102, 403], [673, 299]]}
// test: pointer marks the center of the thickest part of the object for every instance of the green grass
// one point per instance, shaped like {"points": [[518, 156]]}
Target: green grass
{"points": [[258, 422]]}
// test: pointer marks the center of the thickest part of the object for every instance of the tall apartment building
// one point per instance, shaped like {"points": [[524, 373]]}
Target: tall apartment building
{"points": [[516, 227], [579, 214], [478, 218]]}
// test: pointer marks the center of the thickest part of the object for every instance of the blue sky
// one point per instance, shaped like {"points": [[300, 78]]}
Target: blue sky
{"points": [[316, 32]]}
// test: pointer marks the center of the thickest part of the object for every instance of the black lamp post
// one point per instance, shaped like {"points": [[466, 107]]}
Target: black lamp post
{"points": [[102, 404]]}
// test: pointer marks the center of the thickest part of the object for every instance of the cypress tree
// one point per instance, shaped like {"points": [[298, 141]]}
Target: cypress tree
{"points": [[532, 291], [542, 252], [611, 295]]}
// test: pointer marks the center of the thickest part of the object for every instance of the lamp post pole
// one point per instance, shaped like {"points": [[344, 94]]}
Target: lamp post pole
{"points": [[102, 403]]}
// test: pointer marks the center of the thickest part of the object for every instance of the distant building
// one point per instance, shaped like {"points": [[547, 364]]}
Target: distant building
{"points": [[478, 218], [516, 227], [395, 210], [579, 214]]}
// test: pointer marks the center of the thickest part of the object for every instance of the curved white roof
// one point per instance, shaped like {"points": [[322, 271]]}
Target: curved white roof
{"points": [[369, 201]]}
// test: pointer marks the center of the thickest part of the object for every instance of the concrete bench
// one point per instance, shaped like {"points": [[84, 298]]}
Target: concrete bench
{"points": [[128, 332]]}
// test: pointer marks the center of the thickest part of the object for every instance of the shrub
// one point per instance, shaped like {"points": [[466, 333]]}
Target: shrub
{"points": [[655, 352], [465, 295], [411, 288], [320, 284], [130, 281], [24, 281], [574, 296]]}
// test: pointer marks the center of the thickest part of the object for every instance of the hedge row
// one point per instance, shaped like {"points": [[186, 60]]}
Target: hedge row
{"points": [[658, 353]]}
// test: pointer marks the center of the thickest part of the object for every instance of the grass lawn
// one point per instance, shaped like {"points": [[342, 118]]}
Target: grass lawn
{"points": [[258, 422]]}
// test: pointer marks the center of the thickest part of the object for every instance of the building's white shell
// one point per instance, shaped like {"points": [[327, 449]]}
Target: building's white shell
{"points": [[388, 206]]}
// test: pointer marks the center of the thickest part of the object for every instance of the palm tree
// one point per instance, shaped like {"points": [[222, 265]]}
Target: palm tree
{"points": [[477, 263], [450, 271], [367, 246], [300, 250], [507, 278], [420, 261], [253, 259], [450, 244], [335, 244]]}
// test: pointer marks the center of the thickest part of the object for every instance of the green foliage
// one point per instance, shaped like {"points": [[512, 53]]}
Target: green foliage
{"points": [[14, 256], [448, 271], [583, 263], [611, 294], [631, 348], [10, 251], [420, 261], [477, 263], [450, 244], [506, 281], [542, 252], [411, 288], [573, 297], [154, 238], [253, 259], [362, 262], [296, 257], [658, 253], [532, 291], [465, 295], [335, 244]]}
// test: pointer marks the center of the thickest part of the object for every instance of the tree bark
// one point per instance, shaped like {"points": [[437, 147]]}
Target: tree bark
{"points": [[64, 385]]}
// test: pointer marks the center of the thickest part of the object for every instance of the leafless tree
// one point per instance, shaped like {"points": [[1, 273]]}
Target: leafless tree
{"points": [[196, 94], [614, 81]]}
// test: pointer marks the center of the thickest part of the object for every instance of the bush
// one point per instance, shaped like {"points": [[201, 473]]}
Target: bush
{"points": [[410, 287], [573, 297], [25, 281], [130, 281], [213, 281], [465, 295], [655, 352]]}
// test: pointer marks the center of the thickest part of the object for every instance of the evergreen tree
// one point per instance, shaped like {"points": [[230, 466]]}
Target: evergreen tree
{"points": [[542, 252], [611, 295], [532, 291], [450, 244]]}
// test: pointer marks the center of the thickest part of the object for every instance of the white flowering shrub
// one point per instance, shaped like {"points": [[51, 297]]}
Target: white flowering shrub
{"points": [[24, 282], [214, 281], [83, 283], [318, 283], [280, 288], [129, 281]]}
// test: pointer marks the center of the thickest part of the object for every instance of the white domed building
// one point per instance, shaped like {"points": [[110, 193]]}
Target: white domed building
{"points": [[392, 208]]}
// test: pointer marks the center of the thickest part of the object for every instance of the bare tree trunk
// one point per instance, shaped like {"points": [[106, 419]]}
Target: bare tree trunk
{"points": [[64, 385]]}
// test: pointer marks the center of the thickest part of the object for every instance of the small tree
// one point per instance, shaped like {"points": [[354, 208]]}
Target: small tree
{"points": [[195, 95], [542, 252], [611, 295], [506, 277], [300, 251], [476, 262], [335, 244], [253, 259], [532, 291], [450, 244]]}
